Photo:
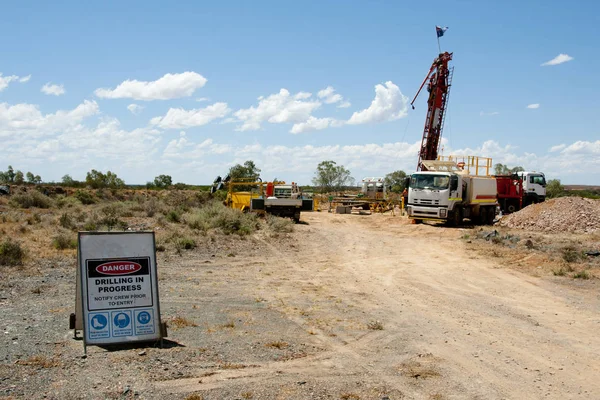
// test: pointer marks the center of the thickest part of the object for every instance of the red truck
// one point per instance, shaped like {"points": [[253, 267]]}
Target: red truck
{"points": [[510, 192]]}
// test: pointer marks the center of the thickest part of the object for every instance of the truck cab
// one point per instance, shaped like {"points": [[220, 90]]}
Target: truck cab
{"points": [[534, 187], [447, 193], [430, 194]]}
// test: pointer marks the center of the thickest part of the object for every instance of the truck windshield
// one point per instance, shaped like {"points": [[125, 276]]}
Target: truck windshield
{"points": [[539, 179], [435, 182]]}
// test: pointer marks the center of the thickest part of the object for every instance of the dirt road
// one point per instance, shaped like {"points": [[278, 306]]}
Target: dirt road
{"points": [[346, 307], [405, 311]]}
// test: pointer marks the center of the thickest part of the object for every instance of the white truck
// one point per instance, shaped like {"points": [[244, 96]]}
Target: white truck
{"points": [[534, 187], [446, 193], [283, 201]]}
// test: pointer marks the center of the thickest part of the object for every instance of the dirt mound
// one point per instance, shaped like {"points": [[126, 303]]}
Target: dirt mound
{"points": [[564, 214]]}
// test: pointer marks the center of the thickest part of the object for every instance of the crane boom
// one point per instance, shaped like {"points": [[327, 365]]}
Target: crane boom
{"points": [[440, 80]]}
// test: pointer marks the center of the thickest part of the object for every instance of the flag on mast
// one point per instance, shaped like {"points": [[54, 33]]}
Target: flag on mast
{"points": [[440, 31]]}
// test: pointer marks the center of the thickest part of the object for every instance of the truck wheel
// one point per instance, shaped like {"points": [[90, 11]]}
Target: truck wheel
{"points": [[456, 218], [491, 216], [418, 221], [483, 216], [511, 208], [297, 217]]}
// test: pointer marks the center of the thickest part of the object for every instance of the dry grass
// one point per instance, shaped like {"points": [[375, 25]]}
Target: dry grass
{"points": [[194, 396], [40, 361], [277, 345], [420, 367], [181, 322], [375, 325], [349, 396]]}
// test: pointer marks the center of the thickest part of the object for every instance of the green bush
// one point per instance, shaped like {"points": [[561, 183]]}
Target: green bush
{"points": [[570, 254], [217, 216], [85, 197], [11, 253], [185, 243], [173, 216], [280, 225], [65, 221], [31, 199], [63, 241]]}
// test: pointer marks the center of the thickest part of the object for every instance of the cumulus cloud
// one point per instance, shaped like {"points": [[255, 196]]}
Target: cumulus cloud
{"points": [[315, 124], [135, 109], [27, 120], [277, 108], [52, 89], [389, 104], [556, 148], [533, 106], [6, 80], [177, 118], [559, 59], [170, 86], [329, 96]]}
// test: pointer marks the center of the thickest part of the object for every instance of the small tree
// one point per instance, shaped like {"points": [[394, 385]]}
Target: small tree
{"points": [[68, 181], [554, 188], [331, 177], [501, 169], [10, 174], [37, 179], [19, 178], [98, 180], [395, 181], [249, 171], [30, 177], [163, 181]]}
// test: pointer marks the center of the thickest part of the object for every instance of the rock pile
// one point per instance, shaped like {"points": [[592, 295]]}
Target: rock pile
{"points": [[564, 214]]}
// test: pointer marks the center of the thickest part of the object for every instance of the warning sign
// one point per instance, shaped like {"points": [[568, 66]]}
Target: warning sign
{"points": [[119, 287], [121, 283]]}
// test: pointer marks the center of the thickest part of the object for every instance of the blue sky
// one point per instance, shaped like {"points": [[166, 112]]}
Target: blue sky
{"points": [[196, 72]]}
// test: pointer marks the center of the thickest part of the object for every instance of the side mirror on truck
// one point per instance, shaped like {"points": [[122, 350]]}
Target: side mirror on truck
{"points": [[453, 182], [407, 182]]}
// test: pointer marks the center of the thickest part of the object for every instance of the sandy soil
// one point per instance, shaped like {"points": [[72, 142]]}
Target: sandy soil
{"points": [[346, 307]]}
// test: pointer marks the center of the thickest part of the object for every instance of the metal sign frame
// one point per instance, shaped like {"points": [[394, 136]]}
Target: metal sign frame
{"points": [[124, 261]]}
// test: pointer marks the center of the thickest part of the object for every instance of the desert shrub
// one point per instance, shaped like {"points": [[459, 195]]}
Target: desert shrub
{"points": [[63, 241], [11, 253], [185, 243], [90, 226], [570, 254], [65, 221], [151, 207], [34, 219], [581, 275], [173, 216], [234, 221], [31, 199], [279, 225], [85, 197], [63, 201]]}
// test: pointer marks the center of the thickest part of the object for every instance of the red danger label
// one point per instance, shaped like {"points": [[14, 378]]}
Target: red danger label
{"points": [[118, 268]]}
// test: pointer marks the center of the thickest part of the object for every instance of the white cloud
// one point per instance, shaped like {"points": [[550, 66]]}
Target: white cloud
{"points": [[202, 99], [277, 109], [6, 80], [329, 96], [488, 114], [389, 104], [315, 124], [26, 120], [556, 148], [559, 59], [177, 118], [582, 147], [135, 109], [533, 106], [52, 89], [170, 86]]}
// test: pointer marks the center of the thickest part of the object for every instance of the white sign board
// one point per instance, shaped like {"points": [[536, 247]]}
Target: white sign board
{"points": [[119, 287]]}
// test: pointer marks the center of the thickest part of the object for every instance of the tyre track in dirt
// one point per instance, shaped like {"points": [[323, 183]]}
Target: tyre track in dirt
{"points": [[468, 327]]}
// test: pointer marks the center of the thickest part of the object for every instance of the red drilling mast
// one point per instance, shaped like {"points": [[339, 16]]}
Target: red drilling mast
{"points": [[440, 80]]}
